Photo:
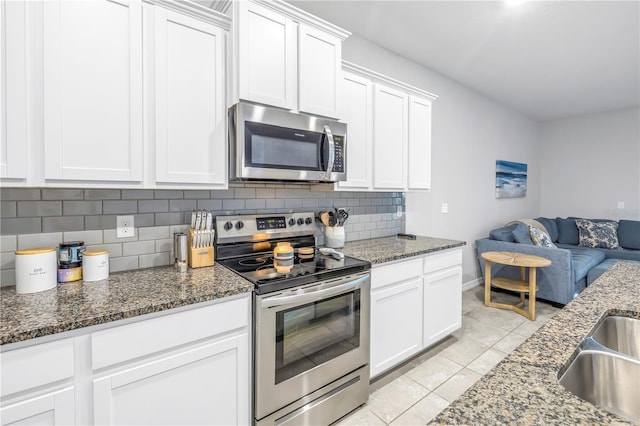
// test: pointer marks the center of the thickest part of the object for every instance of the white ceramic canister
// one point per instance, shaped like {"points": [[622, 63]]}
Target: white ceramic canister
{"points": [[334, 236], [36, 270], [95, 265]]}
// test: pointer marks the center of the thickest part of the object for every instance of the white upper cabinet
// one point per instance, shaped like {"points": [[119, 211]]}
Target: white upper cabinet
{"points": [[13, 91], [190, 116], [388, 133], [389, 138], [267, 56], [92, 88], [286, 58], [320, 71], [419, 158], [358, 114]]}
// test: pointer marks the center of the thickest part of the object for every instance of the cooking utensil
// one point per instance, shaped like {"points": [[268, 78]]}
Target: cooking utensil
{"points": [[324, 218]]}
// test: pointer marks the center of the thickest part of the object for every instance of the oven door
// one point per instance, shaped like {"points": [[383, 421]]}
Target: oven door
{"points": [[309, 337]]}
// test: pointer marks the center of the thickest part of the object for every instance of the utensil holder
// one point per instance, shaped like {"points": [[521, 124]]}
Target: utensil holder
{"points": [[334, 236], [201, 256]]}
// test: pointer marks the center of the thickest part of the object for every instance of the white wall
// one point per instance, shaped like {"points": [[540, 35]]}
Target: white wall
{"points": [[470, 132], [590, 163]]}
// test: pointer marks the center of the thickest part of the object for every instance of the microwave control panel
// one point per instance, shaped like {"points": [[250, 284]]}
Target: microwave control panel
{"points": [[338, 162]]}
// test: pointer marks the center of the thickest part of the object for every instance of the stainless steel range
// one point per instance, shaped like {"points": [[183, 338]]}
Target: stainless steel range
{"points": [[311, 318]]}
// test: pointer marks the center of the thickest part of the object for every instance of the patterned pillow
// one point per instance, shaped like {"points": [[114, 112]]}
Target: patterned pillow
{"points": [[601, 234], [540, 238]]}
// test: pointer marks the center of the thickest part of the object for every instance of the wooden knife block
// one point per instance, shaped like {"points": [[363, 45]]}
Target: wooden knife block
{"points": [[199, 257]]}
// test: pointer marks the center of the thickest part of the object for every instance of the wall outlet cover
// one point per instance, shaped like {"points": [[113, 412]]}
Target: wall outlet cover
{"points": [[124, 227]]}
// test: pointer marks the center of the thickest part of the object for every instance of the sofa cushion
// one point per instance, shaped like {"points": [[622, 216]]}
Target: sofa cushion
{"points": [[629, 234], [521, 234], [503, 234], [551, 225], [567, 231], [583, 259], [621, 254], [592, 234], [540, 238]]}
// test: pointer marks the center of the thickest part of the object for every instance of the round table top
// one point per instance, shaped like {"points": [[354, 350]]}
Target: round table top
{"points": [[515, 259]]}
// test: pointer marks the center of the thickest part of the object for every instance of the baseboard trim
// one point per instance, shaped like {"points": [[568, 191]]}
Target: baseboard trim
{"points": [[471, 284]]}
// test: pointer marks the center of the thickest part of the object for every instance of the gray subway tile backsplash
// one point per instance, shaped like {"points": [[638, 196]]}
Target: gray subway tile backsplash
{"points": [[8, 209], [24, 225], [62, 223], [46, 217]]}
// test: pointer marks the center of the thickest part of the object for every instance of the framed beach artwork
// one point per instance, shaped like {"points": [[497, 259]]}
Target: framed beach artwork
{"points": [[511, 179]]}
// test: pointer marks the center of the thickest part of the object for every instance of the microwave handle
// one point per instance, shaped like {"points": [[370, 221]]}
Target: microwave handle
{"points": [[332, 152]]}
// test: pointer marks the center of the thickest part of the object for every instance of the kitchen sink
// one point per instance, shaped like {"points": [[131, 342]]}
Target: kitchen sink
{"points": [[606, 368], [621, 334]]}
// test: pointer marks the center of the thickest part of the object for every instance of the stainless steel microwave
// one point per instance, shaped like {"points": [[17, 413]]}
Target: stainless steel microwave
{"points": [[267, 143]]}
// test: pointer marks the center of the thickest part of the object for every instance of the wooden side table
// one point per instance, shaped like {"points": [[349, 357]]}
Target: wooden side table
{"points": [[513, 259]]}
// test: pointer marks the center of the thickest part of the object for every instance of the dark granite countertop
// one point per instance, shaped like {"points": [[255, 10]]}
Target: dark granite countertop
{"points": [[123, 295], [387, 249], [132, 293], [523, 388]]}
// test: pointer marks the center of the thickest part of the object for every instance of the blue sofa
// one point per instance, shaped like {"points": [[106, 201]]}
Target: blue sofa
{"points": [[573, 267]]}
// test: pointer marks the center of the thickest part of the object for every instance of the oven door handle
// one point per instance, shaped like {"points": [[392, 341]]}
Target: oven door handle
{"points": [[312, 296]]}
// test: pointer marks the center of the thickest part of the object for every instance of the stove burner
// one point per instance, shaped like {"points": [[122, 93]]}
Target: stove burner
{"points": [[257, 261]]}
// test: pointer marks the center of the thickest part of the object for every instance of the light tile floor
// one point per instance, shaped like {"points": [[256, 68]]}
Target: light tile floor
{"points": [[416, 391]]}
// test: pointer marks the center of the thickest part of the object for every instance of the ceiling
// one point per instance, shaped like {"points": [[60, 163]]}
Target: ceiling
{"points": [[547, 59]]}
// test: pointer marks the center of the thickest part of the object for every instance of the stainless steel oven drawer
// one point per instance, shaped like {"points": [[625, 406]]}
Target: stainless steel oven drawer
{"points": [[326, 405]]}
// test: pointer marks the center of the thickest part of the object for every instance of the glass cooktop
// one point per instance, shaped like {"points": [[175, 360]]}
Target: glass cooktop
{"points": [[261, 270]]}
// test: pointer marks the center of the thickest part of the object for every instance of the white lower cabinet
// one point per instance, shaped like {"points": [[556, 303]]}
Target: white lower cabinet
{"points": [[188, 367], [52, 408], [204, 385], [414, 304], [37, 385]]}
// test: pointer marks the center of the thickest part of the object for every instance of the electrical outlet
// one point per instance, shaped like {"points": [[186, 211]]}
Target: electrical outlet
{"points": [[398, 212], [124, 227], [445, 208]]}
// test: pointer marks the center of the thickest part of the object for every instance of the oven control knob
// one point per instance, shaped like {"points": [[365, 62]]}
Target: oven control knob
{"points": [[292, 222], [308, 221], [239, 225], [300, 221], [228, 226]]}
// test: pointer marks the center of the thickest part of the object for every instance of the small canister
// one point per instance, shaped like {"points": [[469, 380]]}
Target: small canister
{"points": [[95, 265], [69, 273], [35, 270], [70, 253]]}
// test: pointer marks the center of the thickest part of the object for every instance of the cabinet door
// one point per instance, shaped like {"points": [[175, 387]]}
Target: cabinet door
{"points": [[190, 119], [396, 324], [389, 138], [442, 304], [419, 155], [320, 72], [208, 384], [356, 112], [267, 56], [93, 90], [54, 408], [13, 90]]}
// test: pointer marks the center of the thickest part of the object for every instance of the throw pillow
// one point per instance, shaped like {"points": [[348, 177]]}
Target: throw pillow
{"points": [[540, 238], [521, 234], [602, 234], [629, 234], [567, 231]]}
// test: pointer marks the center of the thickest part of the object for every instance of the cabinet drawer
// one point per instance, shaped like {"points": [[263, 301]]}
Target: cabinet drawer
{"points": [[395, 273], [36, 365], [142, 338], [439, 261]]}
